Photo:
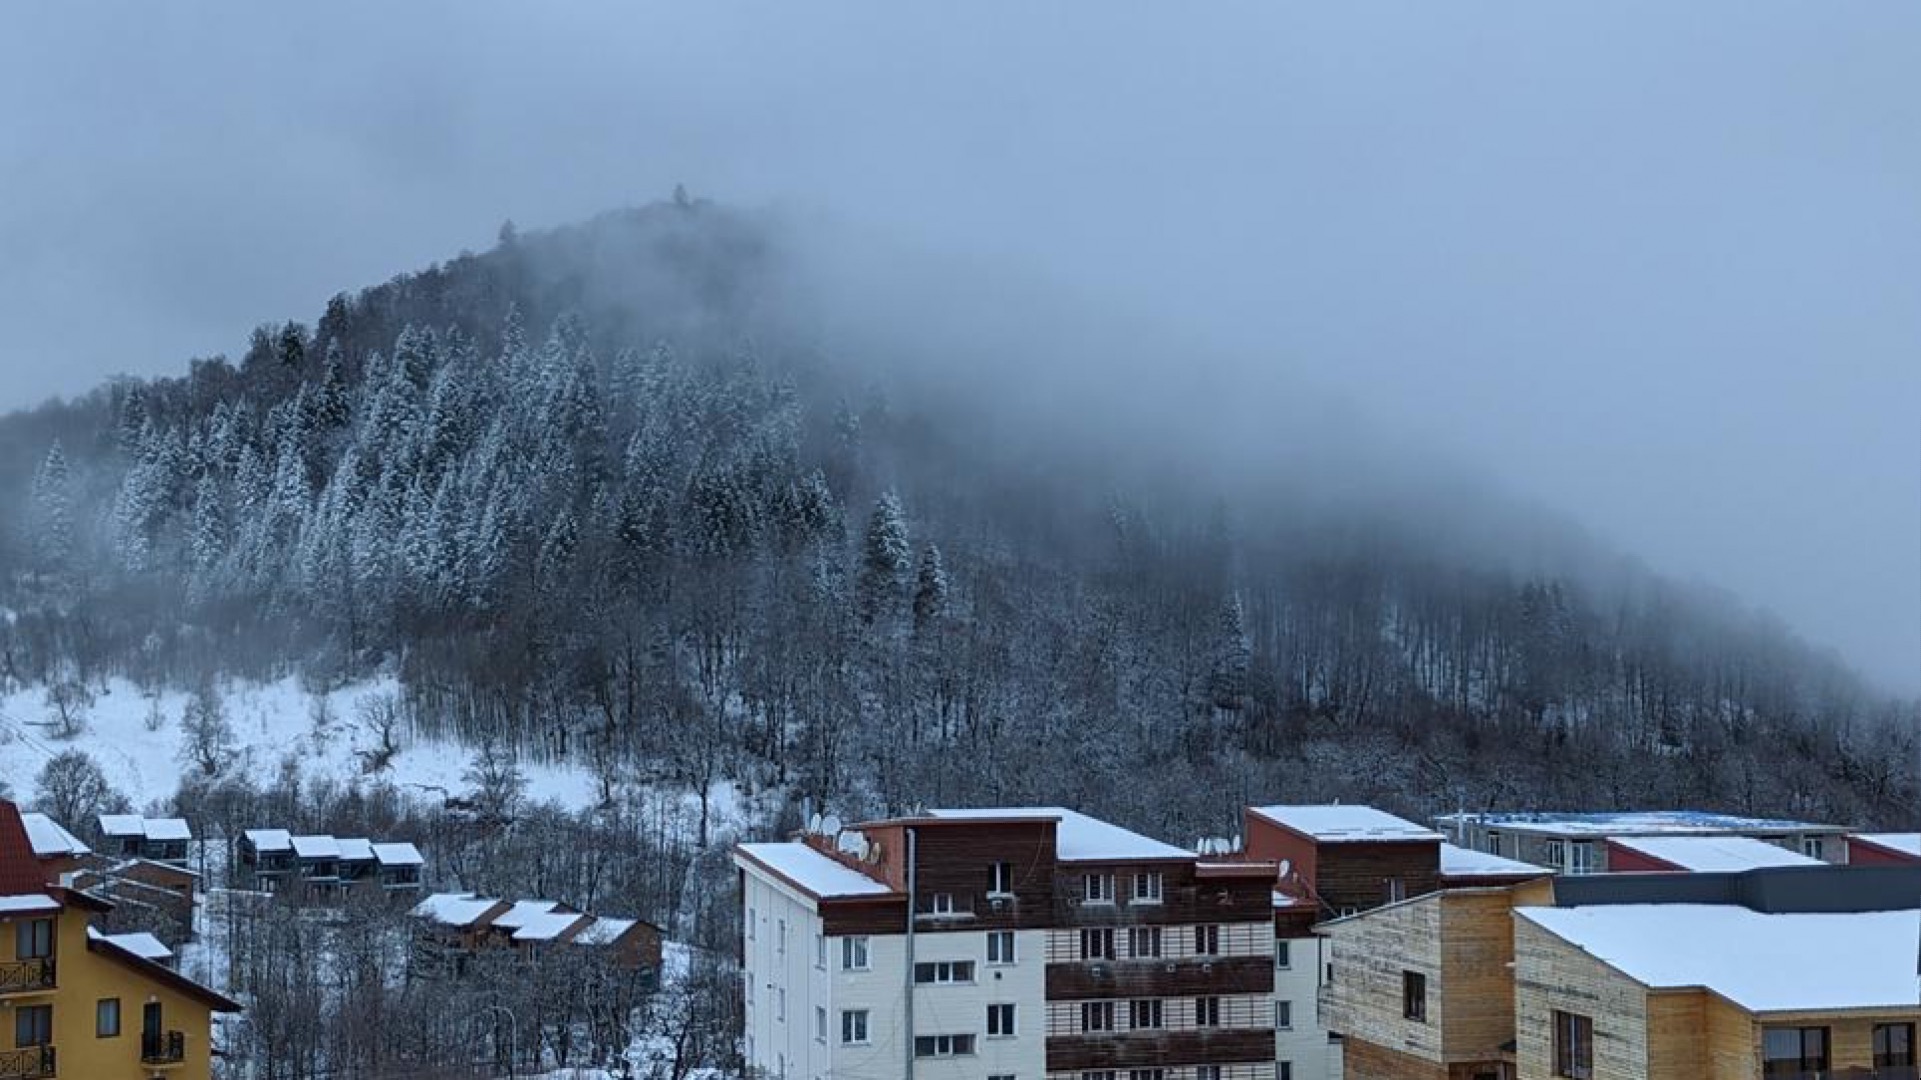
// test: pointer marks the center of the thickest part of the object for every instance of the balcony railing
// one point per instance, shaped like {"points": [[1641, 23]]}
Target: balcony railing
{"points": [[25, 977], [26, 1063], [163, 1048]]}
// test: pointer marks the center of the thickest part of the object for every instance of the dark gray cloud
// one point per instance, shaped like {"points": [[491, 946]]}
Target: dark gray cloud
{"points": [[1655, 264]]}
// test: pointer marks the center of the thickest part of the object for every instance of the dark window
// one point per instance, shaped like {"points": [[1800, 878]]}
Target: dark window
{"points": [[945, 971], [943, 1045], [1283, 954], [1207, 1012], [33, 940], [1097, 1016], [1000, 947], [1097, 944], [1414, 995], [1144, 1014], [1000, 879], [1573, 1046], [1794, 1051], [1000, 1020], [106, 1018], [32, 1025], [1207, 940], [1893, 1046], [1144, 942]]}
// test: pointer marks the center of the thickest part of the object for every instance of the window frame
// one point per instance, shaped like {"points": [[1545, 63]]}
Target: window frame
{"points": [[1151, 936], [37, 1034], [100, 1013], [1009, 956], [1102, 936], [1009, 1026], [1284, 1014], [852, 1022], [34, 939], [1097, 1016], [1572, 1045], [1885, 1055], [1097, 889], [1414, 996], [1153, 894], [1207, 939], [856, 947], [1152, 1009], [1207, 1011], [1000, 879], [1283, 955]]}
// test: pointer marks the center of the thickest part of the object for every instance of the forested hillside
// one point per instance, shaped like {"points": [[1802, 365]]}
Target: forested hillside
{"points": [[604, 494]]}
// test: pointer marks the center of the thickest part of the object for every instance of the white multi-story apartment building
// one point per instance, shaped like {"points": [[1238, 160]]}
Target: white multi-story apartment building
{"points": [[1007, 944], [1302, 1048]]}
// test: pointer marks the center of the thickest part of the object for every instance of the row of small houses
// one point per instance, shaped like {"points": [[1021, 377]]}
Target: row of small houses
{"points": [[458, 926], [272, 859]]}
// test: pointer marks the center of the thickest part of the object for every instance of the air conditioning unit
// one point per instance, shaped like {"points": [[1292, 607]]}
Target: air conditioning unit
{"points": [[1169, 967], [1207, 968], [1099, 971], [998, 903]]}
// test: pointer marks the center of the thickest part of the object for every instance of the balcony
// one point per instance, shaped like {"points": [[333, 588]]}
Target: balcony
{"points": [[26, 1063], [26, 977], [163, 1048]]}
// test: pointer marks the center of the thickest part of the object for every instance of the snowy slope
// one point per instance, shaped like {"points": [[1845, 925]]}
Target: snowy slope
{"points": [[271, 721]]}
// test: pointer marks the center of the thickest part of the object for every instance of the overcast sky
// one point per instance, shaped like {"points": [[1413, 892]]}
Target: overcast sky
{"points": [[1658, 264]]}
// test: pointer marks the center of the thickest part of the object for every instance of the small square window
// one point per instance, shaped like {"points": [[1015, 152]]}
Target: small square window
{"points": [[106, 1018]]}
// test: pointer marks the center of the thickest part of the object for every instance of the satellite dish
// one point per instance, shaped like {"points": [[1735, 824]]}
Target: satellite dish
{"points": [[830, 824], [813, 824], [1287, 867], [1237, 843], [864, 846]]}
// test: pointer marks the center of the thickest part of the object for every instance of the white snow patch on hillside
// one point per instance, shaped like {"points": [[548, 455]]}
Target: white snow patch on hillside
{"points": [[271, 722]]}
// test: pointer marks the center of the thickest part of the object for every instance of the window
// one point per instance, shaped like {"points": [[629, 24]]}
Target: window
{"points": [[1283, 1070], [1000, 1021], [820, 1023], [945, 971], [780, 938], [1330, 973], [1147, 1074], [1144, 942], [106, 1018], [1573, 1046], [1147, 887], [853, 1027], [1557, 854], [1207, 1012], [853, 954], [1580, 857], [1144, 1014], [820, 951], [1098, 888], [32, 1025], [1794, 1051], [1000, 1076], [751, 920], [1097, 1074], [1894, 1046], [1394, 890], [943, 903], [943, 1045], [1097, 944], [1414, 995], [1207, 941], [1000, 947], [33, 940], [780, 1004], [1097, 1016], [1283, 1016], [1283, 954], [1000, 879], [1207, 1072], [1811, 846], [1493, 843]]}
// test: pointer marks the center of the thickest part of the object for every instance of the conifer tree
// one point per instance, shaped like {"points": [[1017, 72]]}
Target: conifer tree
{"points": [[885, 561]]}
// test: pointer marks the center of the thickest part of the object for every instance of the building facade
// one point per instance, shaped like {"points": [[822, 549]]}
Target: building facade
{"points": [[1022, 943], [1577, 843]]}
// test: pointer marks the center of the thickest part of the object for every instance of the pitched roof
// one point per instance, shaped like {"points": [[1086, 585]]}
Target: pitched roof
{"points": [[265, 840], [454, 909], [1763, 963], [1345, 824], [1077, 837], [19, 867], [51, 839], [121, 826], [1908, 843], [316, 847], [112, 950], [1712, 853], [811, 872]]}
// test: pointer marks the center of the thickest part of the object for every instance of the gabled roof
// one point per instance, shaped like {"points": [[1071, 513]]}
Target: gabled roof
{"points": [[398, 854], [547, 926], [523, 912], [604, 931], [316, 847], [270, 840], [1345, 824], [19, 867], [110, 949], [455, 909], [1714, 853], [126, 826], [1799, 962], [143, 945], [355, 849], [50, 839]]}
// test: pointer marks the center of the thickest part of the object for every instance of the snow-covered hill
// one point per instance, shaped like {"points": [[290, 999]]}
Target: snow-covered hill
{"points": [[272, 722]]}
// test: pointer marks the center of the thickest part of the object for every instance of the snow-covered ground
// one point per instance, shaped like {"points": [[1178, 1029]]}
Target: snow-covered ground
{"points": [[271, 722]]}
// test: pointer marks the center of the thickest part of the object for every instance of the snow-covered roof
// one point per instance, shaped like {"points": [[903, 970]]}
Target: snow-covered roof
{"points": [[356, 849], [812, 872], [1346, 823], [316, 847], [546, 926], [1616, 823], [453, 909], [270, 839], [13, 905], [143, 945], [1077, 837], [49, 838], [123, 826], [398, 854], [524, 912], [1763, 963], [604, 931], [1906, 842], [1466, 862], [1708, 854]]}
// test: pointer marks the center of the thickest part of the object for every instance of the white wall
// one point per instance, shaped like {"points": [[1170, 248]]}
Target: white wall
{"points": [[778, 1037], [1305, 1044]]}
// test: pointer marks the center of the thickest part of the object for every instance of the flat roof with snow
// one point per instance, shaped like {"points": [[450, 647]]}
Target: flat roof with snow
{"points": [[270, 840], [1908, 843], [49, 838], [1709, 854], [356, 849], [1077, 837], [1343, 824], [1466, 862], [1763, 963], [128, 826], [316, 847], [811, 872], [1632, 823], [398, 854]]}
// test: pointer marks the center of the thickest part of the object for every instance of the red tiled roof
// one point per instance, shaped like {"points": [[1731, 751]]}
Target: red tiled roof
{"points": [[20, 872]]}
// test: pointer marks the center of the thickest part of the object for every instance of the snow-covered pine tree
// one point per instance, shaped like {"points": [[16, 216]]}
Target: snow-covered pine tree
{"points": [[930, 590], [53, 509], [884, 561]]}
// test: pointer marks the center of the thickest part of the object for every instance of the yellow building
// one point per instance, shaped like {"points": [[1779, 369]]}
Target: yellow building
{"points": [[75, 1005]]}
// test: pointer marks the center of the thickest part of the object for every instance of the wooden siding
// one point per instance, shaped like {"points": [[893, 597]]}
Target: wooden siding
{"points": [[1364, 1060], [1552, 975], [1169, 1048], [1357, 875], [1477, 983], [1369, 953], [1160, 978]]}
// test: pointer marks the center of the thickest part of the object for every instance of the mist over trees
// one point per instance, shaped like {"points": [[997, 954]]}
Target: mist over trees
{"points": [[594, 496]]}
